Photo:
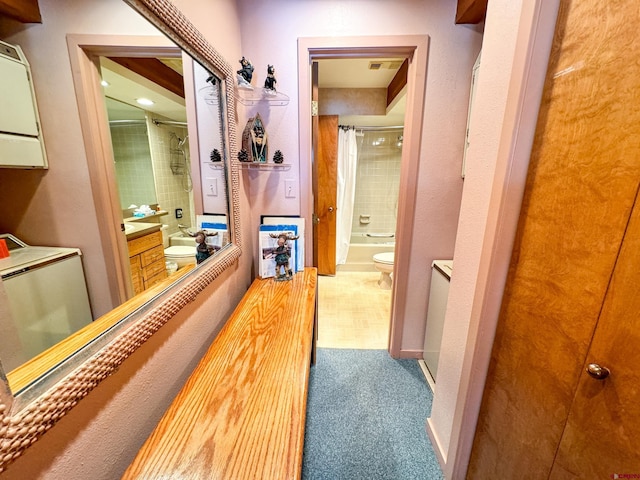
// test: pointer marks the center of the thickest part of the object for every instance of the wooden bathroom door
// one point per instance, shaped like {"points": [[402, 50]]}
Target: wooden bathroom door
{"points": [[601, 435], [325, 201]]}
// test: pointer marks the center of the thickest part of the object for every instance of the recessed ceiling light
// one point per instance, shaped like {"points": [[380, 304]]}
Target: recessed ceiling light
{"points": [[144, 101], [104, 83]]}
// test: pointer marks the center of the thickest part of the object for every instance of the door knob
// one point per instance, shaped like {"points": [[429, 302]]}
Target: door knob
{"points": [[598, 372], [330, 209]]}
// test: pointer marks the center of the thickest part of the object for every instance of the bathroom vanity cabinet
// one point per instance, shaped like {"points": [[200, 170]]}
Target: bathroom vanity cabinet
{"points": [[146, 257]]}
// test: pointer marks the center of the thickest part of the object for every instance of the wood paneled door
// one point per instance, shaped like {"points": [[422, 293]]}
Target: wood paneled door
{"points": [[572, 296], [326, 155], [601, 436]]}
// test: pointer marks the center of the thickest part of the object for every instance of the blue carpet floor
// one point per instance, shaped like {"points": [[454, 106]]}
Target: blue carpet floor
{"points": [[366, 415]]}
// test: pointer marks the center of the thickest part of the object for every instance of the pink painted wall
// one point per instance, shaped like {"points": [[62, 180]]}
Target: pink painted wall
{"points": [[452, 52], [101, 435]]}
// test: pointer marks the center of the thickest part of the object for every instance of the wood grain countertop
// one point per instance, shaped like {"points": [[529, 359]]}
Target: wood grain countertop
{"points": [[241, 413]]}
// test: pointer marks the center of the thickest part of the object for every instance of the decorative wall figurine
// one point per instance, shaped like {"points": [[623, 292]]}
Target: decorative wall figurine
{"points": [[270, 81], [283, 253], [254, 140], [245, 74]]}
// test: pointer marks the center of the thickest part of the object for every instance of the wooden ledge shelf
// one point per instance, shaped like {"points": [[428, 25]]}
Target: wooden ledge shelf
{"points": [[241, 413]]}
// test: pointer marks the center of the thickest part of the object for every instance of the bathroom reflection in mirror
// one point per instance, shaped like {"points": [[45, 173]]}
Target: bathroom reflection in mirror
{"points": [[153, 160], [162, 178], [75, 203]]}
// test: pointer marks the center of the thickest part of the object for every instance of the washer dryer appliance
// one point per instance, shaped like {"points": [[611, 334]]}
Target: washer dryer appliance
{"points": [[47, 299]]}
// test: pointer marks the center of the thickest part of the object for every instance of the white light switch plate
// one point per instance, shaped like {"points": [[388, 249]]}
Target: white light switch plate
{"points": [[211, 187], [290, 188]]}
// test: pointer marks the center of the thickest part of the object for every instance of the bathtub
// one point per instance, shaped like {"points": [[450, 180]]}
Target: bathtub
{"points": [[181, 239], [362, 248]]}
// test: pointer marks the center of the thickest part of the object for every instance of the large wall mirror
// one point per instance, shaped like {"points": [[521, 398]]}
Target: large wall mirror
{"points": [[158, 173]]}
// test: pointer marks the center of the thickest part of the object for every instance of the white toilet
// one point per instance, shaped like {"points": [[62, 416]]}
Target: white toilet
{"points": [[181, 255], [384, 264]]}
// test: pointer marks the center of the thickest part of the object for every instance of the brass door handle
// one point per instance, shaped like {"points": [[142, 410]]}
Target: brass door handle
{"points": [[598, 372]]}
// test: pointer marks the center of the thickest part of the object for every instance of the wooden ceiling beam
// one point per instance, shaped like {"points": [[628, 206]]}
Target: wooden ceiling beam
{"points": [[155, 71], [471, 11], [25, 11], [398, 82]]}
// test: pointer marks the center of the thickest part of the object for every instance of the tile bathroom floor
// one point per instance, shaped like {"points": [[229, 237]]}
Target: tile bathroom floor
{"points": [[353, 312]]}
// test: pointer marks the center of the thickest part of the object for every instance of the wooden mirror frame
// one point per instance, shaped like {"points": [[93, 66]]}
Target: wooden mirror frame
{"points": [[21, 425]]}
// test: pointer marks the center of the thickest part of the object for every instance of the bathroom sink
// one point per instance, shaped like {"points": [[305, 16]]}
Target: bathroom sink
{"points": [[137, 229]]}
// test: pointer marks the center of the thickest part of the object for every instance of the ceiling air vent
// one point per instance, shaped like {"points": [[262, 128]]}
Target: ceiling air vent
{"points": [[385, 64]]}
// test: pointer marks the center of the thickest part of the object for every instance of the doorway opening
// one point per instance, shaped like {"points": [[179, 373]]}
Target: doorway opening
{"points": [[98, 139], [413, 49], [365, 99], [151, 157]]}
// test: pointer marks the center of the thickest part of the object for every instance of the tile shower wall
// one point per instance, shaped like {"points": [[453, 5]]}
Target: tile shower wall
{"points": [[378, 181], [133, 164], [173, 190]]}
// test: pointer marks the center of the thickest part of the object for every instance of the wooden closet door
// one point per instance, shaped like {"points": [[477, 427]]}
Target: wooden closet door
{"points": [[601, 437], [582, 184]]}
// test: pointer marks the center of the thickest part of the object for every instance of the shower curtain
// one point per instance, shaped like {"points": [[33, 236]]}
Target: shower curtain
{"points": [[347, 163]]}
